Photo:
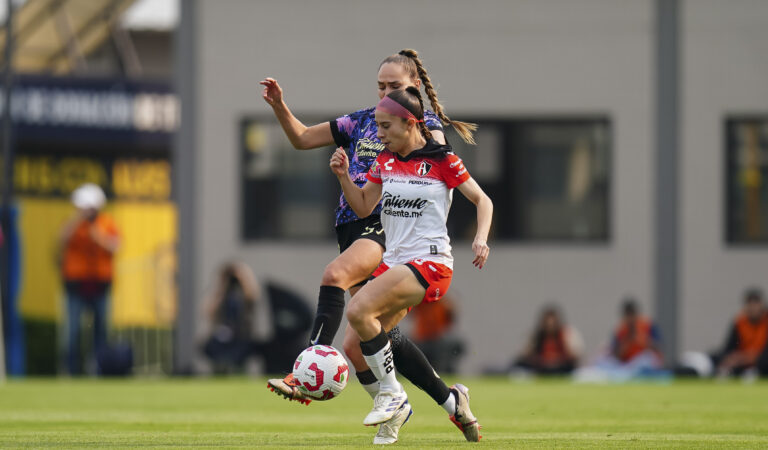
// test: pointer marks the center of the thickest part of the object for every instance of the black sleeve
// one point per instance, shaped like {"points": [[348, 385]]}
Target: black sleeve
{"points": [[732, 342], [338, 137]]}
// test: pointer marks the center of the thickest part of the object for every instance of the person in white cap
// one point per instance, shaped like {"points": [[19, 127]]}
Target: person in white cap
{"points": [[87, 245]]}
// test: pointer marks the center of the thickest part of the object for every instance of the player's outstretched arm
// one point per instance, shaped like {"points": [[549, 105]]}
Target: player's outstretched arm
{"points": [[301, 136], [475, 194], [361, 200]]}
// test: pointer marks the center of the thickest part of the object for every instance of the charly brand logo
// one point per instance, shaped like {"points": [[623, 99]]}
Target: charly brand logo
{"points": [[395, 201], [459, 166], [423, 168]]}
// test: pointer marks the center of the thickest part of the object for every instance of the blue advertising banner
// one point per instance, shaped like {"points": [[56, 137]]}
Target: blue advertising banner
{"points": [[96, 109]]}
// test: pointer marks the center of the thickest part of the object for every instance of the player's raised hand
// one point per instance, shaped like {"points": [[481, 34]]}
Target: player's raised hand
{"points": [[339, 162], [272, 93], [480, 247]]}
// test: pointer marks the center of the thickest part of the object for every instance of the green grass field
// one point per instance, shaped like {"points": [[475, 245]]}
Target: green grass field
{"points": [[242, 413]]}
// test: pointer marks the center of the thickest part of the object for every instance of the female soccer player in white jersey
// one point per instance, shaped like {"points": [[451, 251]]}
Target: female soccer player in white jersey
{"points": [[414, 178], [361, 238]]}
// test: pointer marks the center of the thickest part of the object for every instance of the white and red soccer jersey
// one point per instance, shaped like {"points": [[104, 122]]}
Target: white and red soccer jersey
{"points": [[416, 197]]}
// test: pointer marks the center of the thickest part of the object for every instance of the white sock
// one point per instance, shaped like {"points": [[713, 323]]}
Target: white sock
{"points": [[450, 405], [372, 389], [383, 366]]}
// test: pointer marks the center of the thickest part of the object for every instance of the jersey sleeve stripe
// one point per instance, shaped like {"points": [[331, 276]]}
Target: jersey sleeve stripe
{"points": [[372, 178], [338, 137]]}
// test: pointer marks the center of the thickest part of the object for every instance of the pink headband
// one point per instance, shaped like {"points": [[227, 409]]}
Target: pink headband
{"points": [[390, 106]]}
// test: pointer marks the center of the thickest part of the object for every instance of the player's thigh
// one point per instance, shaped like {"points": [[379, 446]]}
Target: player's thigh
{"points": [[357, 262], [388, 321], [389, 294]]}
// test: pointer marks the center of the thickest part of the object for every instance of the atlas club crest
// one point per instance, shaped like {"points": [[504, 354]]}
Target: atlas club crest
{"points": [[423, 168]]}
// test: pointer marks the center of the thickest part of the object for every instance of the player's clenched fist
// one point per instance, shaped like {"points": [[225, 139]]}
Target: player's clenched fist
{"points": [[339, 162]]}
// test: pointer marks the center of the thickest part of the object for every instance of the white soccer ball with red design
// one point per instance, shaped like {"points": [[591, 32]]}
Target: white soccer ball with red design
{"points": [[321, 371]]}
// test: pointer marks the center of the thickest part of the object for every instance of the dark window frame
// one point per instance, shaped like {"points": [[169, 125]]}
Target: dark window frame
{"points": [[249, 236], [729, 122], [504, 124]]}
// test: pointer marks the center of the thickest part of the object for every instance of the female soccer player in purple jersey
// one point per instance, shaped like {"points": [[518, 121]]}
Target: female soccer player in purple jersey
{"points": [[415, 177], [361, 239]]}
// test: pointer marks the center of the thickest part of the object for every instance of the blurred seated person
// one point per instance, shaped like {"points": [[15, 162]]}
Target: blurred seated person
{"points": [[634, 350], [232, 309], [745, 348], [635, 341], [292, 320], [553, 348], [432, 332]]}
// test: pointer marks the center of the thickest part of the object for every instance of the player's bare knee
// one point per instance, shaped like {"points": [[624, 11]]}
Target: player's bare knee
{"points": [[355, 314], [335, 275]]}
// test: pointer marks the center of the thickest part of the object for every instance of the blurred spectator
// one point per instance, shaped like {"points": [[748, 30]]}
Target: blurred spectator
{"points": [[553, 348], [232, 310], [291, 323], [636, 339], [432, 332], [87, 244], [634, 350], [745, 350]]}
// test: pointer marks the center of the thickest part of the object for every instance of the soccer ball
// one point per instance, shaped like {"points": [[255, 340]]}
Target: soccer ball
{"points": [[321, 371]]}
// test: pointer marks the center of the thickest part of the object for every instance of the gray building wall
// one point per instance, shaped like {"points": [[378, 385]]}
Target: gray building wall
{"points": [[725, 73], [516, 58]]}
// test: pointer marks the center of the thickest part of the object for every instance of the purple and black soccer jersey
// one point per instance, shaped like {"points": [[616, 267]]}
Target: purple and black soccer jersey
{"points": [[356, 132]]}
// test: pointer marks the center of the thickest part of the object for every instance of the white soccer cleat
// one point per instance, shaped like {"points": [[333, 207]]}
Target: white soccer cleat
{"points": [[464, 419], [389, 430], [385, 405]]}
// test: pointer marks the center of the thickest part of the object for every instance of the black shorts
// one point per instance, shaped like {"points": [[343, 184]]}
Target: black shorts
{"points": [[368, 228]]}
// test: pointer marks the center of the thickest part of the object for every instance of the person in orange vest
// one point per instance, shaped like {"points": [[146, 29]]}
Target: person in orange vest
{"points": [[553, 348], [433, 325], [636, 338], [87, 244], [634, 351], [745, 348]]}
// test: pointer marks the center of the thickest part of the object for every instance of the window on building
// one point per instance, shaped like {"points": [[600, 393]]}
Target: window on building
{"points": [[747, 179], [285, 193], [548, 178]]}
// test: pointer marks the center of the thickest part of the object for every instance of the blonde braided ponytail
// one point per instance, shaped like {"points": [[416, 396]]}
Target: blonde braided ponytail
{"points": [[465, 129]]}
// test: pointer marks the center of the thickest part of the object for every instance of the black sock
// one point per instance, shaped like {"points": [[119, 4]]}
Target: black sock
{"points": [[414, 366], [330, 310], [369, 382], [374, 345], [366, 377]]}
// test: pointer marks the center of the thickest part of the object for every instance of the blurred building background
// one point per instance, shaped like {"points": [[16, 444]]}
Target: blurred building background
{"points": [[92, 102], [567, 96]]}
